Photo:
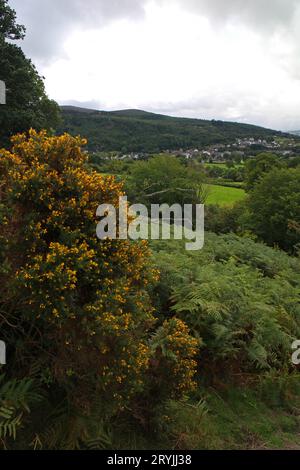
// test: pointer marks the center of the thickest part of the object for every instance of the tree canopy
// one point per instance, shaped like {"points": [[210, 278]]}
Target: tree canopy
{"points": [[274, 208], [258, 166], [27, 105], [164, 179], [9, 29]]}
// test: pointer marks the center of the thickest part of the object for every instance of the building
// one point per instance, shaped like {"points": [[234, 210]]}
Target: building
{"points": [[2, 92]]}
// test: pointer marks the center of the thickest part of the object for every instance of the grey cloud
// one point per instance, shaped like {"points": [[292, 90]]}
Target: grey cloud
{"points": [[230, 107], [227, 106], [93, 104], [49, 22], [259, 14]]}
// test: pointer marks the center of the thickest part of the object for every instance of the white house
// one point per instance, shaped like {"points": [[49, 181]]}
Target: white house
{"points": [[2, 92]]}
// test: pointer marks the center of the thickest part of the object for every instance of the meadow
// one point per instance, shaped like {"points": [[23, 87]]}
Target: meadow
{"points": [[224, 195]]}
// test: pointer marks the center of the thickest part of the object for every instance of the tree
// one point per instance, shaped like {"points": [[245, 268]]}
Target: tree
{"points": [[9, 29], [27, 105], [274, 208], [258, 166], [163, 179]]}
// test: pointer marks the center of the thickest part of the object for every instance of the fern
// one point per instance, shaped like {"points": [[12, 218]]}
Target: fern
{"points": [[240, 297], [16, 396]]}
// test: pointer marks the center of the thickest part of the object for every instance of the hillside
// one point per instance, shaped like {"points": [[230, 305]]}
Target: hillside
{"points": [[141, 131]]}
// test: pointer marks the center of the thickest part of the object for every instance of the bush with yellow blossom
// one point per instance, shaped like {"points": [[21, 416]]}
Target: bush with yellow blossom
{"points": [[75, 310]]}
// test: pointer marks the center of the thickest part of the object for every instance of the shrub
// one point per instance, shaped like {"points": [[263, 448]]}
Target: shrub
{"points": [[223, 219], [73, 309], [173, 359]]}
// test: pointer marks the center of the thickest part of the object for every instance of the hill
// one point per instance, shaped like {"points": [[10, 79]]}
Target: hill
{"points": [[134, 130]]}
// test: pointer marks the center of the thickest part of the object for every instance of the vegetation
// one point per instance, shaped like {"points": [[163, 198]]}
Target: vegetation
{"points": [[257, 167], [75, 311], [120, 344], [163, 179], [273, 208], [100, 343], [226, 173], [27, 104], [139, 131], [224, 195]]}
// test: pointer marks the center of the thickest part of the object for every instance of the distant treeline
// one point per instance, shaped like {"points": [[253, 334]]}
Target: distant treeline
{"points": [[139, 131]]}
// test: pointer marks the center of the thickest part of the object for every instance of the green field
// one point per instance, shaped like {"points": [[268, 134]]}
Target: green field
{"points": [[222, 165], [224, 195]]}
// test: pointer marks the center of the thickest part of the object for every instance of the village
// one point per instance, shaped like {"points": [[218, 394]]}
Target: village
{"points": [[222, 153]]}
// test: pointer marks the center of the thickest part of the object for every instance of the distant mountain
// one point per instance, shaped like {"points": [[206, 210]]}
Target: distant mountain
{"points": [[294, 133], [133, 130]]}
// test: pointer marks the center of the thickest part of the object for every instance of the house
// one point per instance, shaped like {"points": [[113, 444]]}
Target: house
{"points": [[2, 92]]}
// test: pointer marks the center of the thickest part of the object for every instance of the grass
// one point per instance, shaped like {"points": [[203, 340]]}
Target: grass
{"points": [[217, 194], [222, 165], [224, 195], [244, 420], [214, 165], [236, 418]]}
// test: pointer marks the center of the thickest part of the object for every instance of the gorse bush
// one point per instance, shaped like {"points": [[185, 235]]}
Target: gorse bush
{"points": [[173, 350], [74, 308]]}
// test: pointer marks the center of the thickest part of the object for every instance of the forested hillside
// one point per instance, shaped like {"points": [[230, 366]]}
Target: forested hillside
{"points": [[140, 131]]}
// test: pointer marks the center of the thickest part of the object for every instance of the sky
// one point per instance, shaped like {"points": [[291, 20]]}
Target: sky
{"points": [[235, 60]]}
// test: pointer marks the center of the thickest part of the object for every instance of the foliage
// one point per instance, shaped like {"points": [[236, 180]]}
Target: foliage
{"points": [[9, 29], [26, 102], [74, 307], [185, 424], [239, 297], [258, 166], [223, 219], [139, 131], [235, 173], [173, 352], [273, 208], [261, 416], [164, 180], [15, 398]]}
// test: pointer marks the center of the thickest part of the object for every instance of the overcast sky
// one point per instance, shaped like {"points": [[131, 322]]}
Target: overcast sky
{"points": [[215, 59]]}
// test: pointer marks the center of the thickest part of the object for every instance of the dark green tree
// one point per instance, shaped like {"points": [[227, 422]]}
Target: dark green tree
{"points": [[274, 208], [27, 104], [164, 179], [258, 166], [9, 29]]}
